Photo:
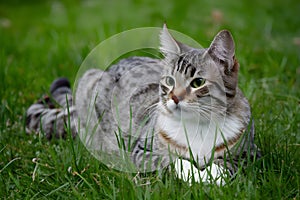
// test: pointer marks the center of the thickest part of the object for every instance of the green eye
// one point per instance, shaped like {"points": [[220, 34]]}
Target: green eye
{"points": [[197, 82], [170, 81]]}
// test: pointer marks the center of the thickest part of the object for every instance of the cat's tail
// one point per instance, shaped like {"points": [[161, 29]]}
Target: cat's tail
{"points": [[54, 115]]}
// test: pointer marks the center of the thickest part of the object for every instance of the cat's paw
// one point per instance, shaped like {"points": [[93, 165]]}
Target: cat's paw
{"points": [[186, 171], [214, 174]]}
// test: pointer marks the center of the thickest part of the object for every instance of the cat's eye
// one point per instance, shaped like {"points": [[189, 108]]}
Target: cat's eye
{"points": [[170, 81], [197, 82]]}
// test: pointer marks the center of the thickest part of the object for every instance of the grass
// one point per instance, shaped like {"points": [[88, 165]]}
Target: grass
{"points": [[41, 40]]}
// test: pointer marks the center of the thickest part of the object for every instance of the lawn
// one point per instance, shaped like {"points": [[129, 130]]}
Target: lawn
{"points": [[42, 40]]}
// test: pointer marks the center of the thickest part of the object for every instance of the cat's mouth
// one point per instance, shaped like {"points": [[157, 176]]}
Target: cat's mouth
{"points": [[174, 108]]}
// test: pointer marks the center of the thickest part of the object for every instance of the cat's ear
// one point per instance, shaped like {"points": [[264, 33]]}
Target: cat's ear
{"points": [[222, 47], [168, 45]]}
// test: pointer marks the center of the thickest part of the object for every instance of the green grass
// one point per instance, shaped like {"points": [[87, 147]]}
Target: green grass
{"points": [[41, 40]]}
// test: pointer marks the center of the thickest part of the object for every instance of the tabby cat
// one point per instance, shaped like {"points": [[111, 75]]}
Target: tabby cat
{"points": [[184, 109]]}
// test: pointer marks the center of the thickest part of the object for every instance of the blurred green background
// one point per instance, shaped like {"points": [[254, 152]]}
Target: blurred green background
{"points": [[42, 40]]}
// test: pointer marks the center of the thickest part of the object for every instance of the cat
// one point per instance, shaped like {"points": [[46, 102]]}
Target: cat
{"points": [[184, 109]]}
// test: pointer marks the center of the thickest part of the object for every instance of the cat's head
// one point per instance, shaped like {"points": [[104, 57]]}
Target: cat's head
{"points": [[198, 81]]}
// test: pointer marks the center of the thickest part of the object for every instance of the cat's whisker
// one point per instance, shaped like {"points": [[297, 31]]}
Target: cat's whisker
{"points": [[200, 113], [151, 109], [209, 108]]}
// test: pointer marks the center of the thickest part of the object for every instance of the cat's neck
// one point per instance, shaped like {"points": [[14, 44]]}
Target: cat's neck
{"points": [[200, 137]]}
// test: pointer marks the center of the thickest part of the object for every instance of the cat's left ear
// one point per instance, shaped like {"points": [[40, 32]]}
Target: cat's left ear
{"points": [[222, 48], [168, 45]]}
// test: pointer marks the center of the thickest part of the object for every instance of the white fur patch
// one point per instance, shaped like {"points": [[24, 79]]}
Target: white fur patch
{"points": [[186, 171], [188, 130]]}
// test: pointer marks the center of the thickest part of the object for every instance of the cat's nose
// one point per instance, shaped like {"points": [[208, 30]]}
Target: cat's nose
{"points": [[175, 99]]}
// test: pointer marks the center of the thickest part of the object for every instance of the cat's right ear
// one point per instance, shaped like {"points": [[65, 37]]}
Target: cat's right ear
{"points": [[168, 45]]}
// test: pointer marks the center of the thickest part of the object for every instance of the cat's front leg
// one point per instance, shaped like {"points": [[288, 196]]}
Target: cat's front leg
{"points": [[214, 174], [186, 171]]}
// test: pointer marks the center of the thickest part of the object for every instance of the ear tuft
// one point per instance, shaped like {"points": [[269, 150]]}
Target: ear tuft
{"points": [[168, 45]]}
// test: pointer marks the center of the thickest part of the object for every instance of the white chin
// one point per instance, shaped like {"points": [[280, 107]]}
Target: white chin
{"points": [[173, 107], [178, 111]]}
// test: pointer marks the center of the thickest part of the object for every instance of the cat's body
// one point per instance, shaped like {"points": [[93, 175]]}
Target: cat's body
{"points": [[112, 96], [187, 105]]}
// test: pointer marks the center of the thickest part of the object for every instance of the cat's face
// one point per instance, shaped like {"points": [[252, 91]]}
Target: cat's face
{"points": [[189, 87], [197, 83]]}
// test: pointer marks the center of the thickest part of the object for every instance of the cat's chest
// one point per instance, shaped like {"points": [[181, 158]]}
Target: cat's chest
{"points": [[193, 135]]}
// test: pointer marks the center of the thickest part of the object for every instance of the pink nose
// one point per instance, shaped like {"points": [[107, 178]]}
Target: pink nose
{"points": [[175, 99]]}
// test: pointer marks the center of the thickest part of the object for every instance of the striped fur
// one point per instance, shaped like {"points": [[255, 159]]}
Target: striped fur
{"points": [[157, 119], [50, 115]]}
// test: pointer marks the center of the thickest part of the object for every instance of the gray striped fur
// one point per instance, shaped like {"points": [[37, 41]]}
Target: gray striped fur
{"points": [[135, 85]]}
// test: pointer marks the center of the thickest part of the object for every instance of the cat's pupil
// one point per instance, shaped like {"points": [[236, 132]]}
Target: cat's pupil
{"points": [[197, 82]]}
